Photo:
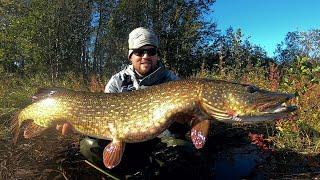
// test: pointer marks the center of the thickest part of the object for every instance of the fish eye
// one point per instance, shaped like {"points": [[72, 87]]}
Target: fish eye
{"points": [[52, 92], [252, 89]]}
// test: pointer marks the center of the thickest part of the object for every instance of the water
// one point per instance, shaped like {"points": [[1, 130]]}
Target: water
{"points": [[238, 163], [229, 161]]}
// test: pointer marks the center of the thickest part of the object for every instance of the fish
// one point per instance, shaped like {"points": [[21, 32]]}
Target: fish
{"points": [[141, 115]]}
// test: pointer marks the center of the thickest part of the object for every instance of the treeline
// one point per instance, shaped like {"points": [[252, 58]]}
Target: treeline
{"points": [[89, 37]]}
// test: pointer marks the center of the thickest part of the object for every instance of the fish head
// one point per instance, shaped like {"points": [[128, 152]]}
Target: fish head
{"points": [[233, 102]]}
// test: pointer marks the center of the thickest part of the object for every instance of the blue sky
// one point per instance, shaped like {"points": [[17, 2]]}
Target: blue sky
{"points": [[267, 22]]}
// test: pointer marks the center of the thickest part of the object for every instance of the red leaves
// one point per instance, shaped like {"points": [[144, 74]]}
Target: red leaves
{"points": [[259, 141]]}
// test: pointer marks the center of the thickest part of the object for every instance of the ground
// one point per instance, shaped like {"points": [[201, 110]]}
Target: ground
{"points": [[53, 156]]}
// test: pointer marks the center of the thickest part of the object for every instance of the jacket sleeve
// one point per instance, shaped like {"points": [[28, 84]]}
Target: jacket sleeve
{"points": [[171, 76], [112, 86]]}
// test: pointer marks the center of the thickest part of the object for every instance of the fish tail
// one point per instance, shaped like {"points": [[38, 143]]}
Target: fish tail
{"points": [[15, 126]]}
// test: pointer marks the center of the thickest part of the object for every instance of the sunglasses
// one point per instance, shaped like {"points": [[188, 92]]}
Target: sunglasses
{"points": [[141, 52]]}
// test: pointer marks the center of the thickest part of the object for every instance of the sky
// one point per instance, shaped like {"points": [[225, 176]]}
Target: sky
{"points": [[267, 22]]}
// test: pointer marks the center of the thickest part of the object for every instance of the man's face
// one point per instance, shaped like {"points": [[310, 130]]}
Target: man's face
{"points": [[144, 59]]}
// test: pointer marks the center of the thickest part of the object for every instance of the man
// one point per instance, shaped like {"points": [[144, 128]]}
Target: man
{"points": [[145, 70]]}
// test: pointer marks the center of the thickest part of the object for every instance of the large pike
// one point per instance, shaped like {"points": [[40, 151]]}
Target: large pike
{"points": [[144, 114]]}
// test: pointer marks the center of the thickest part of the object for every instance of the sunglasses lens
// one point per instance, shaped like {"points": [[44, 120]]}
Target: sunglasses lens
{"points": [[138, 52], [141, 52], [152, 52]]}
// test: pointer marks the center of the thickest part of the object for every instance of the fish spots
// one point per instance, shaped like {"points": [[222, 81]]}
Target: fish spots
{"points": [[134, 131], [143, 110], [98, 118], [65, 103], [152, 130], [157, 124], [164, 120], [121, 135], [126, 130], [112, 129], [144, 129], [162, 111], [206, 100], [139, 124]]}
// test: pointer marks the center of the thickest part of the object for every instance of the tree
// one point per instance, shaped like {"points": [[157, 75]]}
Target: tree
{"points": [[48, 37], [179, 25], [230, 52], [303, 44], [57, 37]]}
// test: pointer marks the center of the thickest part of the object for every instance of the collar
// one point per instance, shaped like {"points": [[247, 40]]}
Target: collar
{"points": [[150, 79]]}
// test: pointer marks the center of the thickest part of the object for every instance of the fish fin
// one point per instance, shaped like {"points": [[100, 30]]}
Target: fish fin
{"points": [[15, 127], [32, 130], [112, 154], [64, 128], [199, 133]]}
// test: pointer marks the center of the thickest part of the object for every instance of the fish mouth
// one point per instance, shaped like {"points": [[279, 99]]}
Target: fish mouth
{"points": [[279, 108], [275, 102], [270, 114]]}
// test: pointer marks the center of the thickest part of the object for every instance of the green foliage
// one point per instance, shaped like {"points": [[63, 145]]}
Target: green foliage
{"points": [[303, 73], [46, 37], [302, 78]]}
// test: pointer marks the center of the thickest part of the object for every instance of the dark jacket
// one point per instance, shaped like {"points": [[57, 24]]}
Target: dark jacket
{"points": [[127, 79]]}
